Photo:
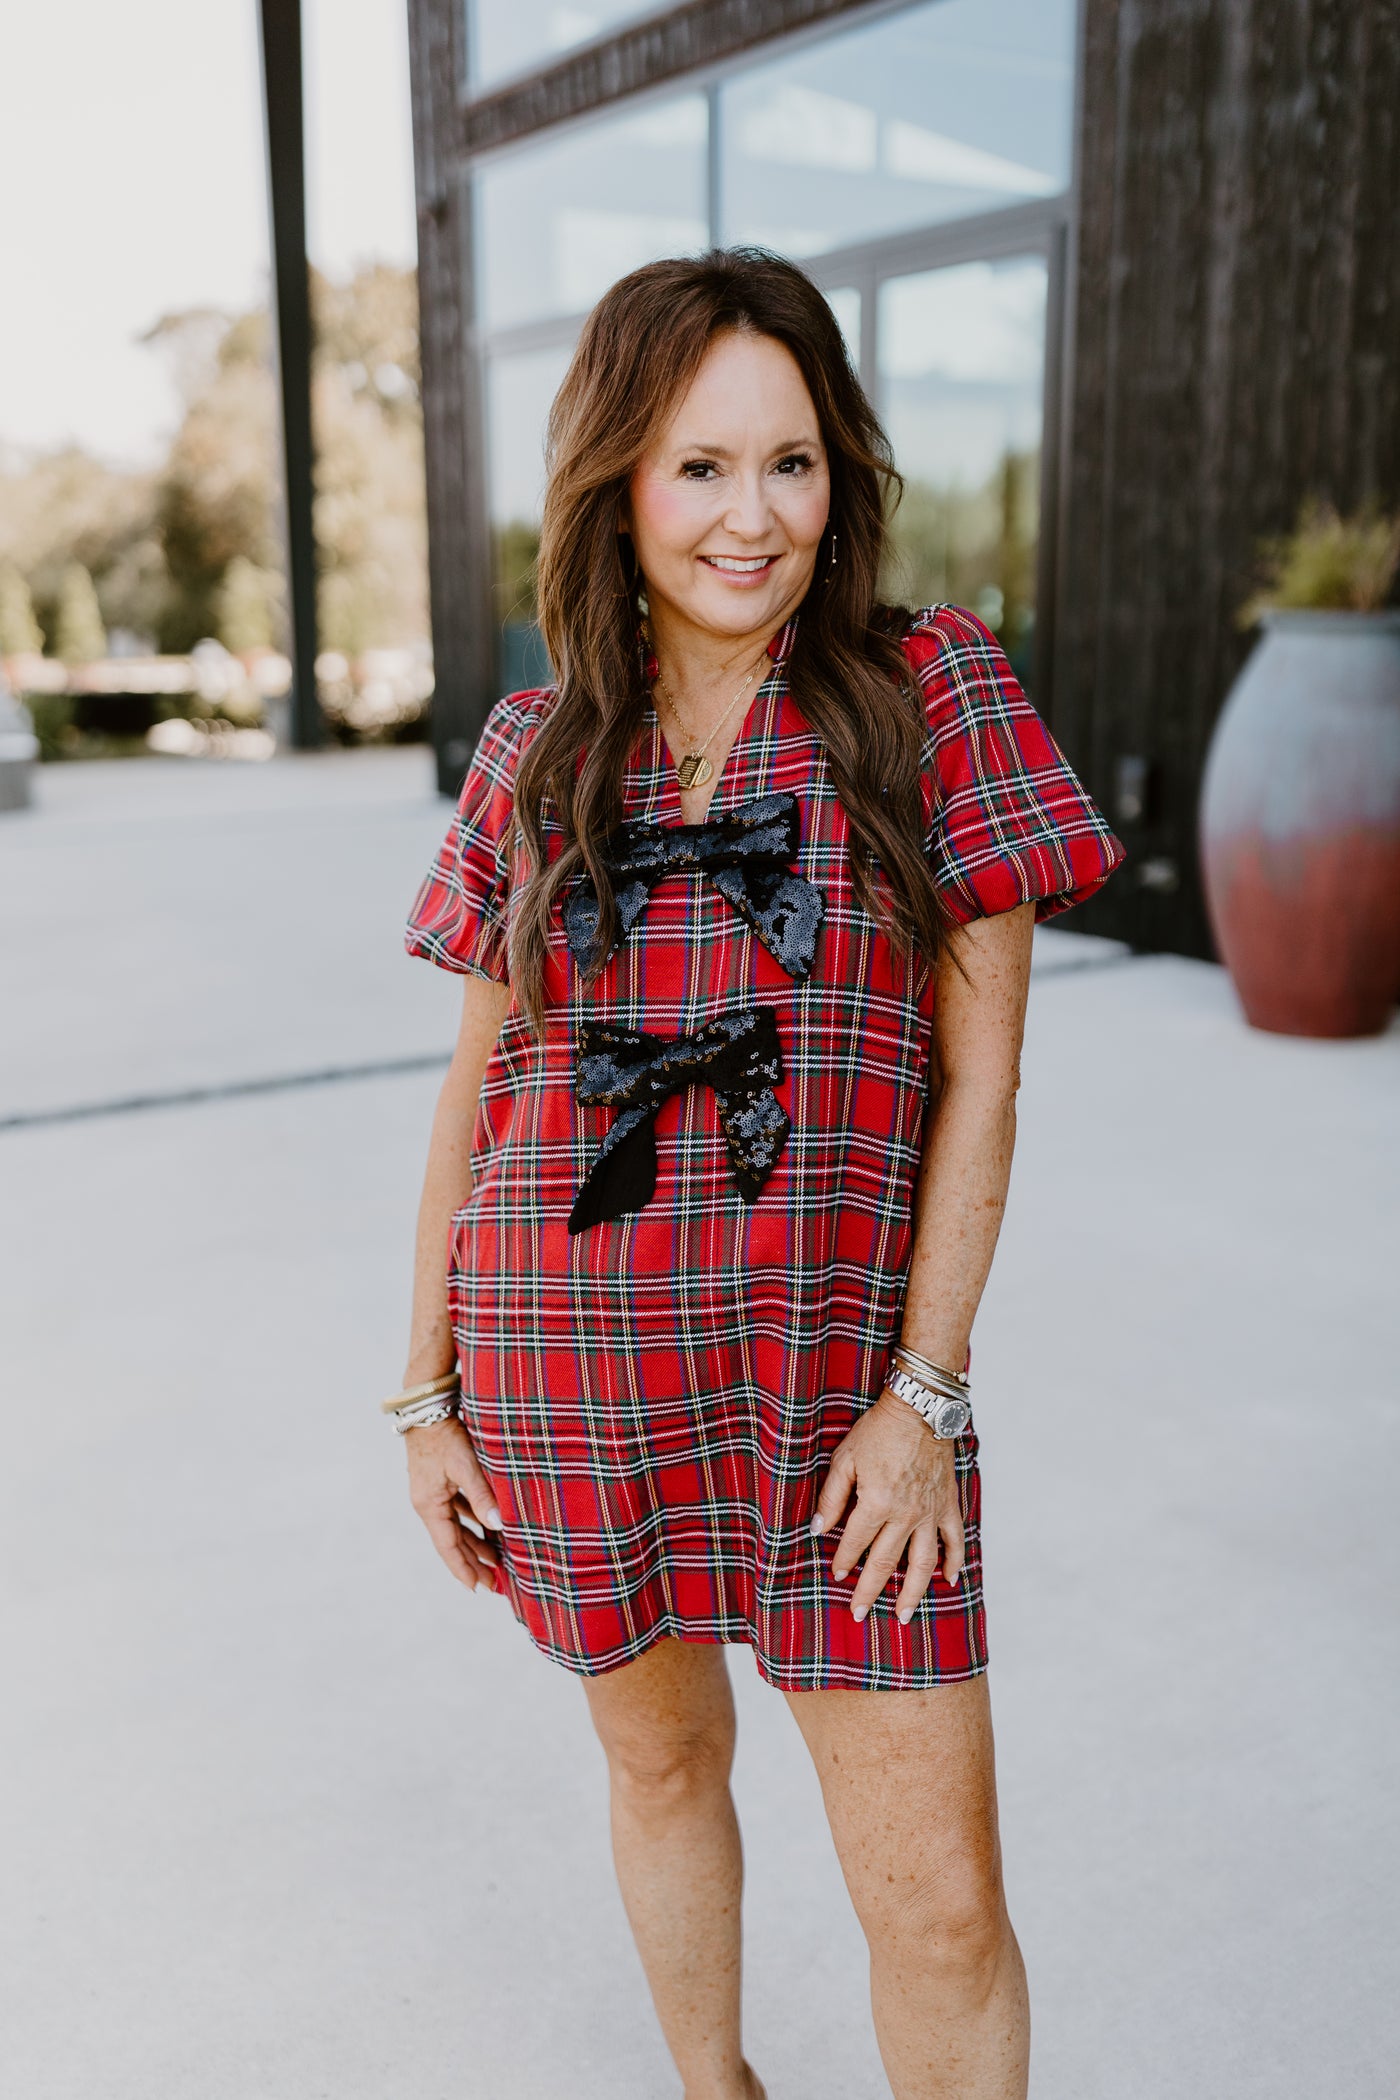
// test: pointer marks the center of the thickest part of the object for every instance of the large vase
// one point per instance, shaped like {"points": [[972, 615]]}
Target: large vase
{"points": [[1300, 825]]}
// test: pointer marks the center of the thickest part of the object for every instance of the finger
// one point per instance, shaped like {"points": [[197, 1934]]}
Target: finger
{"points": [[450, 1540], [463, 1470], [881, 1562], [866, 1520], [923, 1560], [954, 1546], [478, 1541], [835, 1492]]}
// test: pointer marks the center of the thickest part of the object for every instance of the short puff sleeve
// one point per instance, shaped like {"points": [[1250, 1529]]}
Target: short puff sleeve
{"points": [[458, 918], [1010, 822]]}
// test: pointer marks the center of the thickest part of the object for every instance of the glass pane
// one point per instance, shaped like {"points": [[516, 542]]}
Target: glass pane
{"points": [[515, 36], [956, 107], [844, 302], [519, 390], [961, 362], [561, 221]]}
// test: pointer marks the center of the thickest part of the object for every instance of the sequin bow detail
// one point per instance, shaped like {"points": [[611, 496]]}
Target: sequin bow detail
{"points": [[738, 1054], [746, 854]]}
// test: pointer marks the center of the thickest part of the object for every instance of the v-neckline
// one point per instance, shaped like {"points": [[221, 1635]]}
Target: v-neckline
{"points": [[666, 802]]}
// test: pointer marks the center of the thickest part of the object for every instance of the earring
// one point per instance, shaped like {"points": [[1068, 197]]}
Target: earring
{"points": [[832, 563]]}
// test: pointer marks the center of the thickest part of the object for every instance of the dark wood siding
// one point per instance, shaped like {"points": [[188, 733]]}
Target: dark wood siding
{"points": [[1236, 347], [459, 564]]}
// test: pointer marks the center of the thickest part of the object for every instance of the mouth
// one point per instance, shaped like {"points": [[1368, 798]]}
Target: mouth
{"points": [[741, 568]]}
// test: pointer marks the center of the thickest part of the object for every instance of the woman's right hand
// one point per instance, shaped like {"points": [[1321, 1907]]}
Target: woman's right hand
{"points": [[445, 1483]]}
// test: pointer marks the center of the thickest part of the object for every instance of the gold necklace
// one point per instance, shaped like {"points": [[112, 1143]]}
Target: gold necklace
{"points": [[695, 769]]}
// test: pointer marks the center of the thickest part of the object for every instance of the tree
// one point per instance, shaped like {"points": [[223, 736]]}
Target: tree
{"points": [[246, 606], [79, 636], [20, 633], [161, 544]]}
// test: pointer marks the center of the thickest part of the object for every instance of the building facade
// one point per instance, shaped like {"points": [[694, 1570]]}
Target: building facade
{"points": [[1060, 237]]}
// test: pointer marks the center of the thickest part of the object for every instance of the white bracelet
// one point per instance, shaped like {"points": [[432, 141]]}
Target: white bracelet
{"points": [[423, 1414]]}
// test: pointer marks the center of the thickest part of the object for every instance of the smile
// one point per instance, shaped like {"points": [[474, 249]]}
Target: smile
{"points": [[737, 565]]}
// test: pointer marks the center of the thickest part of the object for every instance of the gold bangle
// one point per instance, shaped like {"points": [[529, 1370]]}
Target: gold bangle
{"points": [[450, 1382]]}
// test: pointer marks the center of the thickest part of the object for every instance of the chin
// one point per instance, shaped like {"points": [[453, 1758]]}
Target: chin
{"points": [[737, 611]]}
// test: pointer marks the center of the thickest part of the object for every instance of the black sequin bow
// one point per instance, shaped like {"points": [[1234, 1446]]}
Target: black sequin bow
{"points": [[738, 1054], [746, 855]]}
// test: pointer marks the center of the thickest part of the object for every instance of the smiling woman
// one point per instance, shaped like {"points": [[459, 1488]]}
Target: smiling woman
{"points": [[744, 905]]}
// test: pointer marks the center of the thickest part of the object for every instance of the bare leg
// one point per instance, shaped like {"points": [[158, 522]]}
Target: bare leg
{"points": [[910, 1790], [666, 1723]]}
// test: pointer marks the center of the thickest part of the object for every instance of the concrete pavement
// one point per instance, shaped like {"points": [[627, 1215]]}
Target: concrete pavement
{"points": [[288, 1815]]}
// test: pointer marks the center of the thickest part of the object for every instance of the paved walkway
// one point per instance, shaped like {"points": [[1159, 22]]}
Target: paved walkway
{"points": [[288, 1815]]}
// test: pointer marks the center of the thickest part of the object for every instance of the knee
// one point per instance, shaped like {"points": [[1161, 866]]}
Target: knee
{"points": [[658, 1771], [945, 1918]]}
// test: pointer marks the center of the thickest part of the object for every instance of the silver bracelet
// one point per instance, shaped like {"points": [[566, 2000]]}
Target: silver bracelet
{"points": [[423, 1414], [947, 1415], [954, 1383]]}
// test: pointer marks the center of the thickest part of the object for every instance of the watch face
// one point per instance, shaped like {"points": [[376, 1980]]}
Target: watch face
{"points": [[952, 1418]]}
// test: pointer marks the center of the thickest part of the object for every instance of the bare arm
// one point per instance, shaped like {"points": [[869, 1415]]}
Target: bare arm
{"points": [[902, 1476], [442, 1469]]}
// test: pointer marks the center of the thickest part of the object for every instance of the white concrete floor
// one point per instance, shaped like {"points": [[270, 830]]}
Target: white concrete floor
{"points": [[286, 1814]]}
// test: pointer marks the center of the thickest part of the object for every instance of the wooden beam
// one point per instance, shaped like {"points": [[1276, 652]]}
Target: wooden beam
{"points": [[1236, 349], [644, 55], [280, 24], [459, 552]]}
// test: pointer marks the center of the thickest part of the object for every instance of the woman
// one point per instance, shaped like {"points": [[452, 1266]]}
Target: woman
{"points": [[743, 907]]}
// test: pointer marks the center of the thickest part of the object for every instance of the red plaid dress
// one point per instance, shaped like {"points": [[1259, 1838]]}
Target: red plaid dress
{"points": [[656, 1399]]}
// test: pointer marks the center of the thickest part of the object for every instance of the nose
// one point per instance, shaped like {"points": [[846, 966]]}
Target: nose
{"points": [[749, 515]]}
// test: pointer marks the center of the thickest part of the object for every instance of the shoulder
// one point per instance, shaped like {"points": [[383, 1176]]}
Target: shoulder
{"points": [[513, 721], [505, 734], [954, 656]]}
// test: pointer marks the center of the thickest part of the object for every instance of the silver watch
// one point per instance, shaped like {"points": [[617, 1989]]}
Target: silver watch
{"points": [[945, 1416]]}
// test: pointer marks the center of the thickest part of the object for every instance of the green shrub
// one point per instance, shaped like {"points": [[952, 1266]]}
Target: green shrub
{"points": [[1328, 563]]}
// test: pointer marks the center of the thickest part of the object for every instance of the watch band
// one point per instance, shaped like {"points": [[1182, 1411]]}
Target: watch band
{"points": [[946, 1417]]}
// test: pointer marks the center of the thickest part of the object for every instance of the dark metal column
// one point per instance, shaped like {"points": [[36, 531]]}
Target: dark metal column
{"points": [[280, 22]]}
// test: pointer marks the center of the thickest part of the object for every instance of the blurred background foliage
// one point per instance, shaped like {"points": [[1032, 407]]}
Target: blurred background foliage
{"points": [[972, 546], [93, 556]]}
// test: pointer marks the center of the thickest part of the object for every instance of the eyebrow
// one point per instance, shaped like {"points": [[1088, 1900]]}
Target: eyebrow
{"points": [[796, 444]]}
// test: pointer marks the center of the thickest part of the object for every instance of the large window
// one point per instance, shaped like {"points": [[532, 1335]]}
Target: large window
{"points": [[519, 388], [561, 221], [918, 165], [938, 113], [961, 369]]}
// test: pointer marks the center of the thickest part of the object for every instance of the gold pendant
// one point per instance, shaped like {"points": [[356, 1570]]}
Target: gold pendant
{"points": [[694, 770]]}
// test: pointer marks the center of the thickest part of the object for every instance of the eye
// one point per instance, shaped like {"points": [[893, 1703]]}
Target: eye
{"points": [[698, 469], [796, 463]]}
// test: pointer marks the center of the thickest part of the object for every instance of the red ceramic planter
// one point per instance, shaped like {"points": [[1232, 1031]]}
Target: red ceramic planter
{"points": [[1300, 825]]}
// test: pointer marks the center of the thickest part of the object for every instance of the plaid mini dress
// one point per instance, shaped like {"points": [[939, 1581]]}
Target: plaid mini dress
{"points": [[676, 1280]]}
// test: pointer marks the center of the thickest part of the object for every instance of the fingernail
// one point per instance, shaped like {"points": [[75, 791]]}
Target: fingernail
{"points": [[817, 1526], [494, 1517], [904, 1617], [859, 1613]]}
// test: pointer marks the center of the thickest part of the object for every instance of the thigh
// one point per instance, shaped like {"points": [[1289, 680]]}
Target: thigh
{"points": [[909, 1781], [671, 1705]]}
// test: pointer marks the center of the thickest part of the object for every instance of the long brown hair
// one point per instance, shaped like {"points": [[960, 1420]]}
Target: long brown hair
{"points": [[640, 349]]}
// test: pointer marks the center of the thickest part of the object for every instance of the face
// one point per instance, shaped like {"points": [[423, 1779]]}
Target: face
{"points": [[728, 510]]}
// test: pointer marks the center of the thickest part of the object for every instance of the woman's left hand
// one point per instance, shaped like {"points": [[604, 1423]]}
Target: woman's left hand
{"points": [[906, 1494]]}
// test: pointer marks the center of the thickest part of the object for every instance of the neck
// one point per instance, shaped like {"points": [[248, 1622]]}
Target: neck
{"points": [[695, 660]]}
